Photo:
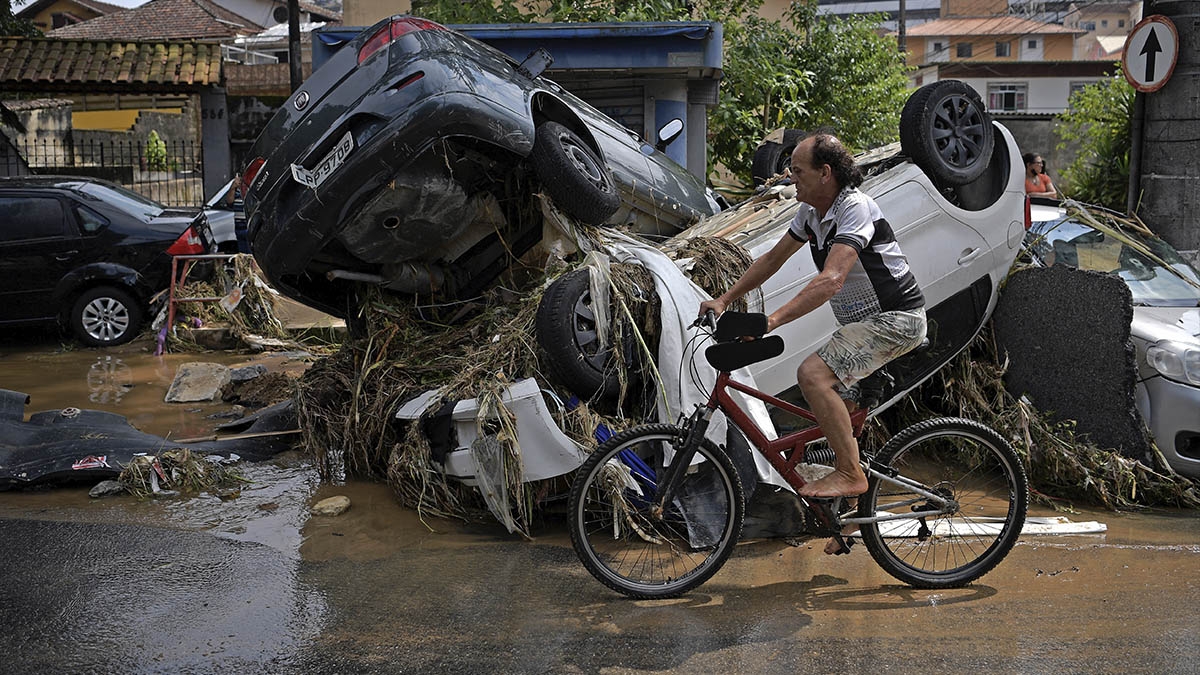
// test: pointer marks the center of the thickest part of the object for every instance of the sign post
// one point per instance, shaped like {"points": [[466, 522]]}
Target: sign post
{"points": [[1151, 51]]}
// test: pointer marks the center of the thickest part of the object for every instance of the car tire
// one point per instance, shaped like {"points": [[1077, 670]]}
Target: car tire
{"points": [[771, 158], [105, 316], [947, 131], [566, 330], [573, 175]]}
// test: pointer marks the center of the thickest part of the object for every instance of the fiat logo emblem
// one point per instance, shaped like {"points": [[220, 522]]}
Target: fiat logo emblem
{"points": [[301, 101]]}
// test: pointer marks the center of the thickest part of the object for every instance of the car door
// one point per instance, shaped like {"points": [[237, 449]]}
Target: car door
{"points": [[945, 254], [38, 246]]}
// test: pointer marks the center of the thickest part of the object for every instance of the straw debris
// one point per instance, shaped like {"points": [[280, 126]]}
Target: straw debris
{"points": [[346, 401], [177, 469], [1061, 466], [247, 304]]}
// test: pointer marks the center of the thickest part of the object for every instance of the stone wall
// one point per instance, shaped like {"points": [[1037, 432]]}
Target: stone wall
{"points": [[1035, 133]]}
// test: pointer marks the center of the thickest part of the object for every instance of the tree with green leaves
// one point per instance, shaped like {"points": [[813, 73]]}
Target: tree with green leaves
{"points": [[810, 72], [11, 26], [1098, 122]]}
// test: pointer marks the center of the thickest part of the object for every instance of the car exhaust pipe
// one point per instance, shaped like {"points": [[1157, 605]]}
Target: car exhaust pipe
{"points": [[403, 277]]}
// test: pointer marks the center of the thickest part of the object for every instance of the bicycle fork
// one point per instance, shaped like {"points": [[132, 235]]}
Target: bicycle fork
{"points": [[684, 452]]}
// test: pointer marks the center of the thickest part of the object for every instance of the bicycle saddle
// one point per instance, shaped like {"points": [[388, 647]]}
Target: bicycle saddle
{"points": [[731, 351]]}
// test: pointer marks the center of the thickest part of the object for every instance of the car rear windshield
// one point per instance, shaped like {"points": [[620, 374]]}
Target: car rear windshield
{"points": [[121, 198]]}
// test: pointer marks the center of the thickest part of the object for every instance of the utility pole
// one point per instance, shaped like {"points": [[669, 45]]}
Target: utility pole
{"points": [[295, 66], [901, 39]]}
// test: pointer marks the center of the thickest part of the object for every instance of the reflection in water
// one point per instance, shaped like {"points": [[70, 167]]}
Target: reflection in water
{"points": [[108, 380]]}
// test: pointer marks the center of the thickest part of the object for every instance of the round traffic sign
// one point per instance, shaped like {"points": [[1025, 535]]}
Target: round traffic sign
{"points": [[1150, 53]]}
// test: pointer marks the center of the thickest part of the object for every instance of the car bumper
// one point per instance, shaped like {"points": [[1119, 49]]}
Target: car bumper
{"points": [[290, 223], [1174, 421], [546, 451]]}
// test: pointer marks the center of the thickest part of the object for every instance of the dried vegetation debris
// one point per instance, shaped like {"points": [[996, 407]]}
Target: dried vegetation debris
{"points": [[238, 297], [1061, 466], [347, 400], [177, 469]]}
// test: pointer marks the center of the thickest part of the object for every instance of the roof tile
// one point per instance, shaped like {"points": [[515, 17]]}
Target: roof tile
{"points": [[163, 20], [40, 61]]}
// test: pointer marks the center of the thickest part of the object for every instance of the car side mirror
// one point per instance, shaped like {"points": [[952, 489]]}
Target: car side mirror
{"points": [[536, 63], [668, 133]]}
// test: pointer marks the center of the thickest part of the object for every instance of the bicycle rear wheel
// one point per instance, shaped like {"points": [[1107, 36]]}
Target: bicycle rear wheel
{"points": [[632, 546], [962, 460]]}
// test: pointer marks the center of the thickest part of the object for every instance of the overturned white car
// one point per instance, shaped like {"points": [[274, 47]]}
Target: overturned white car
{"points": [[953, 192]]}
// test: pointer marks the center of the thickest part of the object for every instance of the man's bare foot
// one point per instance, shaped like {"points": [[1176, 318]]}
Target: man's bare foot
{"points": [[836, 484], [831, 546]]}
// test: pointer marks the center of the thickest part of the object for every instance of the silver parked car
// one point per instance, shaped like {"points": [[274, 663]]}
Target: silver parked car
{"points": [[1165, 328]]}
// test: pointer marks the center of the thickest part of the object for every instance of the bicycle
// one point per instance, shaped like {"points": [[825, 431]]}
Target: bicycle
{"points": [[945, 502]]}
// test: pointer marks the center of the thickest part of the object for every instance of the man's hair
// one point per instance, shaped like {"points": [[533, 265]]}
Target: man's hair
{"points": [[827, 149]]}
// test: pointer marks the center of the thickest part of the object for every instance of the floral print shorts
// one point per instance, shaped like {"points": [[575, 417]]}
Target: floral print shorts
{"points": [[858, 349]]}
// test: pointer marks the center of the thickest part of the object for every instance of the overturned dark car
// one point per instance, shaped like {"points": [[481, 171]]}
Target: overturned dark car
{"points": [[414, 159]]}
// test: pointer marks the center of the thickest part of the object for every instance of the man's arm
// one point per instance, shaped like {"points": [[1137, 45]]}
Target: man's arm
{"points": [[818, 291], [758, 272]]}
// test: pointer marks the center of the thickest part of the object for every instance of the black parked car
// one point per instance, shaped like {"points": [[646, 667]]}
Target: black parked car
{"points": [[411, 160], [87, 254]]}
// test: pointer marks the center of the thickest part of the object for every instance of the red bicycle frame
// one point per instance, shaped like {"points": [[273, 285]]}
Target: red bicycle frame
{"points": [[794, 444]]}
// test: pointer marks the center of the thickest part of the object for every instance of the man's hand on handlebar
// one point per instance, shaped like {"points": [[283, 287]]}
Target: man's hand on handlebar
{"points": [[715, 306]]}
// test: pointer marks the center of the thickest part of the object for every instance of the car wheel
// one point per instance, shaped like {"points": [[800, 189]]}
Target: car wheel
{"points": [[566, 331], [947, 131], [574, 177], [106, 316], [771, 159]]}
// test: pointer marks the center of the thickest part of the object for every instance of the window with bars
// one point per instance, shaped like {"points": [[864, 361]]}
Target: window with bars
{"points": [[1007, 97], [1003, 49]]}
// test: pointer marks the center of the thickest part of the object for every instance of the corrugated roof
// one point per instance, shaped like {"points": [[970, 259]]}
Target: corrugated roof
{"points": [[163, 20], [991, 25], [32, 63]]}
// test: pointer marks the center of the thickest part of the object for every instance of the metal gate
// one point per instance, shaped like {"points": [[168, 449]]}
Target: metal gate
{"points": [[169, 172]]}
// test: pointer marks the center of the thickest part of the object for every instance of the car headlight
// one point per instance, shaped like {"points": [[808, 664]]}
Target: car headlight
{"points": [[1175, 360]]}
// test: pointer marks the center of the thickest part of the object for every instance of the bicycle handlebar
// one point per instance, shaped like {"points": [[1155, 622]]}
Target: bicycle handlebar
{"points": [[709, 320]]}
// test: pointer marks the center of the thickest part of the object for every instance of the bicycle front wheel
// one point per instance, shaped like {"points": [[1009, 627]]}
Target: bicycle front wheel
{"points": [[957, 459], [633, 544]]}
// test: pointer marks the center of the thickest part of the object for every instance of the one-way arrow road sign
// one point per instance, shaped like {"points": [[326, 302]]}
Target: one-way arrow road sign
{"points": [[1143, 67]]}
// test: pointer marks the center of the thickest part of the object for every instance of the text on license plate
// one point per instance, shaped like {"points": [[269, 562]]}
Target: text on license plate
{"points": [[328, 165]]}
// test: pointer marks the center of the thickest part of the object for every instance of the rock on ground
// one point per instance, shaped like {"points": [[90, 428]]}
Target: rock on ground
{"points": [[331, 506], [197, 381]]}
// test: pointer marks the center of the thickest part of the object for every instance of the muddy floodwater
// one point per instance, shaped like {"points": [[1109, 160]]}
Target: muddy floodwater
{"points": [[255, 584]]}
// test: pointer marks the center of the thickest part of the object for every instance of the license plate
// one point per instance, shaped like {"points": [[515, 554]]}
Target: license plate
{"points": [[327, 166]]}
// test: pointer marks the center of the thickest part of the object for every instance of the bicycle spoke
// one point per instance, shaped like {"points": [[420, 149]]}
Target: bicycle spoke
{"points": [[631, 544], [969, 466]]}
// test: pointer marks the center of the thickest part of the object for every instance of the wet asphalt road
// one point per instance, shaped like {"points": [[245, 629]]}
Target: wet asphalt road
{"points": [[256, 585], [375, 591]]}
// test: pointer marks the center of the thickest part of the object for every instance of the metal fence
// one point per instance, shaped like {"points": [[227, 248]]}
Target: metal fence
{"points": [[170, 172]]}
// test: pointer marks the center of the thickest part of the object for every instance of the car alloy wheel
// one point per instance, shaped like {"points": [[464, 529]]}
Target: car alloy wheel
{"points": [[947, 131], [573, 175], [105, 316]]}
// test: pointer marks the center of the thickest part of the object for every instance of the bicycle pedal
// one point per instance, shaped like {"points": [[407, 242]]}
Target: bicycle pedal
{"points": [[844, 544]]}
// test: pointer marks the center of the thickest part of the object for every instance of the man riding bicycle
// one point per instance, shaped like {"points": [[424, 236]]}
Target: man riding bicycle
{"points": [[865, 278]]}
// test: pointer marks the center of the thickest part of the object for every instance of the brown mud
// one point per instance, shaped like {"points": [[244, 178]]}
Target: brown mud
{"points": [[255, 582]]}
